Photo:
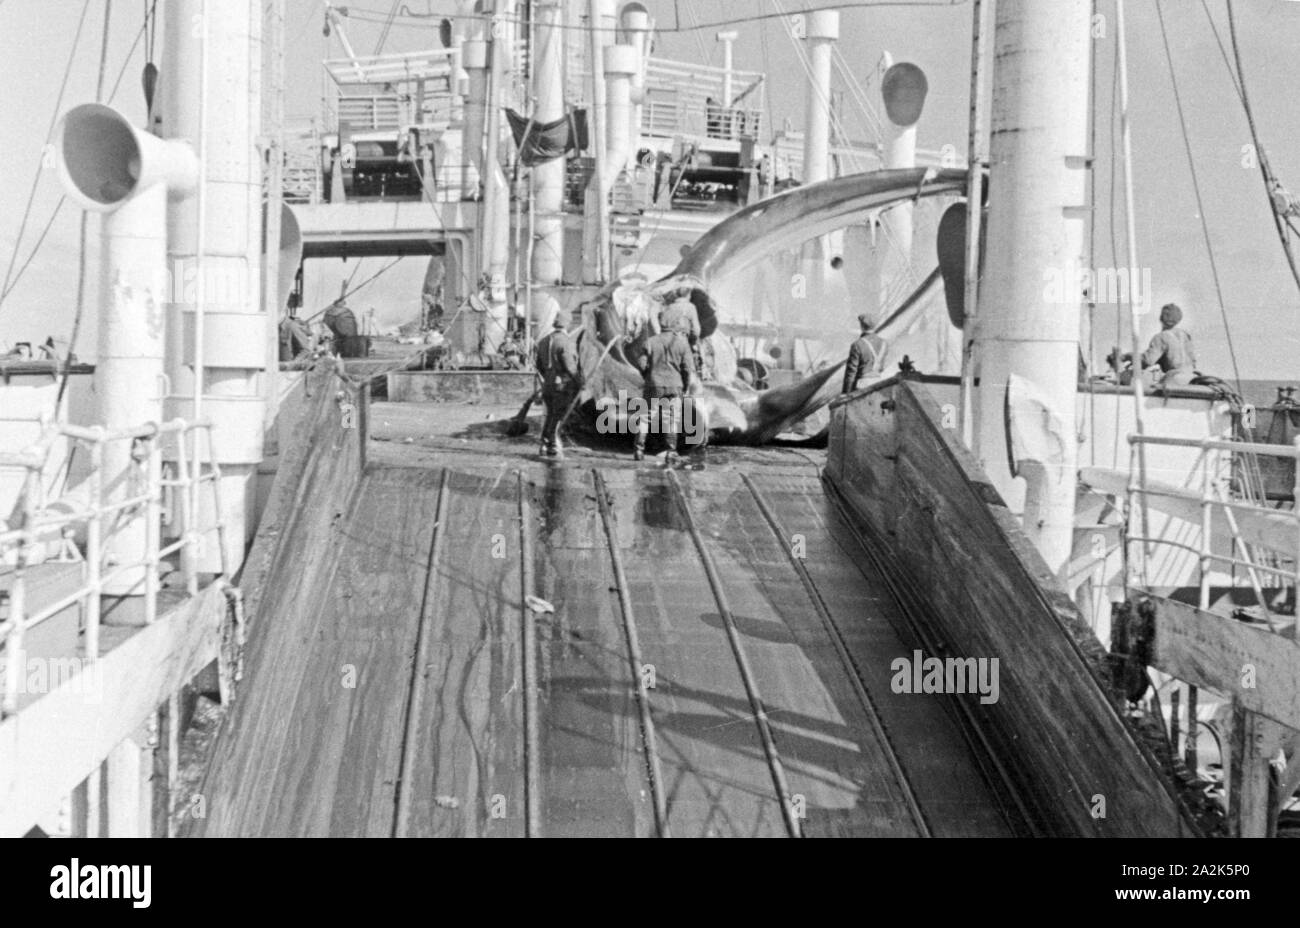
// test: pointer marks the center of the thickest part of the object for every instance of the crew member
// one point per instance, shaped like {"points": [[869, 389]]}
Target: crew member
{"points": [[295, 337], [1171, 349], [668, 369], [342, 323], [866, 357], [556, 359], [681, 313], [511, 352]]}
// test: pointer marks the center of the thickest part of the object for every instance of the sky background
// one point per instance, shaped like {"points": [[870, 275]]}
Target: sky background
{"points": [[1262, 301]]}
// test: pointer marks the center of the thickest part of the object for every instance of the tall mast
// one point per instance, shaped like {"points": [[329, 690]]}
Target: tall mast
{"points": [[548, 177], [273, 133], [976, 159], [1028, 339], [211, 91]]}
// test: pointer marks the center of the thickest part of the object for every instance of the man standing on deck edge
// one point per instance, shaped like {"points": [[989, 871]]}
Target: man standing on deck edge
{"points": [[556, 359]]}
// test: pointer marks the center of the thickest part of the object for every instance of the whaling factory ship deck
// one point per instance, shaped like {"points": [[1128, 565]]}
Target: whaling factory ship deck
{"points": [[469, 642], [414, 625]]}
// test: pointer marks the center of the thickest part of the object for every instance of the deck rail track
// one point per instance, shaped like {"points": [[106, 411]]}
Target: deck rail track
{"points": [[532, 729], [756, 703], [419, 669], [853, 671], [654, 767], [910, 607]]}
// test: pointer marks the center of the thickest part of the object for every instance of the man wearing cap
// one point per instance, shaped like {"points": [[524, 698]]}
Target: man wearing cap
{"points": [[342, 323], [556, 359], [669, 371], [867, 356], [1171, 349], [681, 313]]}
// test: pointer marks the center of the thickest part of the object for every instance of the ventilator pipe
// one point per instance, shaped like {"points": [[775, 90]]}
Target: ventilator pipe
{"points": [[108, 166], [823, 29], [461, 25], [474, 60], [636, 24], [619, 66], [903, 89], [104, 161]]}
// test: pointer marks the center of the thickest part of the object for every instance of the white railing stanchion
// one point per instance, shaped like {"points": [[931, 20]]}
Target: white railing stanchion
{"points": [[1207, 519], [186, 519], [14, 644], [153, 528], [1295, 509], [215, 474], [94, 547]]}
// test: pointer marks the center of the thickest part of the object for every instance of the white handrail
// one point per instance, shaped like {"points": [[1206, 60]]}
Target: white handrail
{"points": [[1210, 496], [39, 522]]}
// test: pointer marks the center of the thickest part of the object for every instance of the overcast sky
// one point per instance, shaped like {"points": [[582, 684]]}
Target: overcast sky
{"points": [[1263, 303]]}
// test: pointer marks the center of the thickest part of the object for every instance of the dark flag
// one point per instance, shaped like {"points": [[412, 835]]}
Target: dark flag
{"points": [[540, 142]]}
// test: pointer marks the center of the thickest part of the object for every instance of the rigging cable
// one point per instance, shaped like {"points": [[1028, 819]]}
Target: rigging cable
{"points": [[40, 166], [1271, 183], [130, 52], [365, 14], [81, 254], [1200, 206], [388, 25], [1223, 52]]}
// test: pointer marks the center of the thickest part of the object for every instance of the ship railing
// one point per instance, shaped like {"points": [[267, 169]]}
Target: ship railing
{"points": [[41, 524], [396, 68], [1248, 523], [301, 177], [687, 98]]}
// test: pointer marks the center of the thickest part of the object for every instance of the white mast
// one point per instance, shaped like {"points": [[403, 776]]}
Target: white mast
{"points": [[728, 40], [211, 93], [496, 189], [548, 178], [596, 235], [1028, 339], [823, 28]]}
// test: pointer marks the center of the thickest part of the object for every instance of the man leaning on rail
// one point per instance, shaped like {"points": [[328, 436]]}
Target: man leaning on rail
{"points": [[866, 356], [1171, 350]]}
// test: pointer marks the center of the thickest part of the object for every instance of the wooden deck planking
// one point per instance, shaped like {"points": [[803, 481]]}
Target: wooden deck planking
{"points": [[469, 773], [594, 779], [312, 757], [822, 731], [927, 739], [716, 778]]}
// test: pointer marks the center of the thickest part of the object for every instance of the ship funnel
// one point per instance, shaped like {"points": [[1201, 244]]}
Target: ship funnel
{"points": [[904, 88], [103, 160]]}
